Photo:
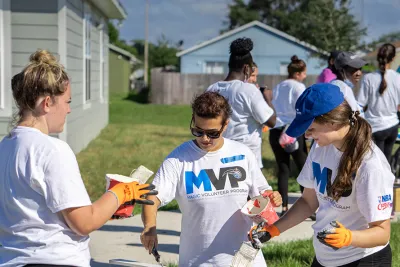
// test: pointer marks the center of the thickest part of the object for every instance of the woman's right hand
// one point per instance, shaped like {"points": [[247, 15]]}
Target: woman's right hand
{"points": [[149, 238], [262, 233]]}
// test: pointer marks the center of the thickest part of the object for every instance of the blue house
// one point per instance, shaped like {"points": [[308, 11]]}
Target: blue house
{"points": [[272, 52]]}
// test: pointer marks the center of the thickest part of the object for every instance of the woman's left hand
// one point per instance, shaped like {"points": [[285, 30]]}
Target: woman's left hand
{"points": [[336, 236]]}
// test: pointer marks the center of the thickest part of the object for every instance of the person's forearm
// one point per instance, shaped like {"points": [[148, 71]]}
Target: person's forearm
{"points": [[295, 215], [149, 212], [103, 209], [86, 219], [371, 237]]}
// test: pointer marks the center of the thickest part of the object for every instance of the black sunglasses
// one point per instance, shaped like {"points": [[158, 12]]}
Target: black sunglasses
{"points": [[213, 134]]}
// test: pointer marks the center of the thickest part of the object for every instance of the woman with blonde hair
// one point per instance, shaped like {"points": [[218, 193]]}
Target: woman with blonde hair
{"points": [[46, 213]]}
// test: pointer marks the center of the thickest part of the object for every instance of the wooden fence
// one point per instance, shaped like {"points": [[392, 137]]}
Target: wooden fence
{"points": [[172, 88]]}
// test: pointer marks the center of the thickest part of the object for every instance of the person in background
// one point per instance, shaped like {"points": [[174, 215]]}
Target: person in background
{"points": [[284, 97], [46, 214], [250, 109], [348, 71], [346, 177], [266, 94], [380, 96], [328, 74], [254, 74], [210, 177]]}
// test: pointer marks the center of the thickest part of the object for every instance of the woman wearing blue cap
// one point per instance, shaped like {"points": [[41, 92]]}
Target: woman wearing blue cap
{"points": [[346, 177]]}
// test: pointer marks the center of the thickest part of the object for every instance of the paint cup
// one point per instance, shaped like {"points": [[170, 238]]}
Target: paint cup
{"points": [[260, 209], [124, 210], [140, 175]]}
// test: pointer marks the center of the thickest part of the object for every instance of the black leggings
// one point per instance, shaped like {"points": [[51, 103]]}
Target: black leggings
{"points": [[382, 258], [385, 140], [283, 160]]}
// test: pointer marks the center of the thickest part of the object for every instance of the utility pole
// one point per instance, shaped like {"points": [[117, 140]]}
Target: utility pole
{"points": [[146, 45]]}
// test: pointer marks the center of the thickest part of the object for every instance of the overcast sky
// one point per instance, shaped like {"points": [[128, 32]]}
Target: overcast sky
{"points": [[195, 21]]}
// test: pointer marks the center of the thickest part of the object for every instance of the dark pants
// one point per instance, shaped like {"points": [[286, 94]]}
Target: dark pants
{"points": [[283, 160], [385, 140], [382, 258]]}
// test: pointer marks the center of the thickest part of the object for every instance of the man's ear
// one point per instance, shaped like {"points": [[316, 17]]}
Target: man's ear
{"points": [[226, 124]]}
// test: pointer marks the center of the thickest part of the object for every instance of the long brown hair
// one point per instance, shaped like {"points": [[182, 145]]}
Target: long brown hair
{"points": [[385, 55], [357, 144]]}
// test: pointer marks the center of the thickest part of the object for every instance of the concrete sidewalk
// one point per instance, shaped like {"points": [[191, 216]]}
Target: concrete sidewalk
{"points": [[120, 239]]}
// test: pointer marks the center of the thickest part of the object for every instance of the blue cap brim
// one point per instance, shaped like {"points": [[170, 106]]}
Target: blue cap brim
{"points": [[297, 128]]}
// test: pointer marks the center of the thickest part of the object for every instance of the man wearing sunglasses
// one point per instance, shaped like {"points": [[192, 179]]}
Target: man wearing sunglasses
{"points": [[210, 177]]}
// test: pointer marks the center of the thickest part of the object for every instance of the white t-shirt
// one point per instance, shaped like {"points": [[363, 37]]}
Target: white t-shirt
{"points": [[211, 188], [250, 111], [285, 95], [382, 109], [349, 96], [370, 199], [39, 177]]}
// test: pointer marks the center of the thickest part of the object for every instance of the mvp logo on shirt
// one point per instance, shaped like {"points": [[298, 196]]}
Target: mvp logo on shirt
{"points": [[207, 177], [324, 180]]}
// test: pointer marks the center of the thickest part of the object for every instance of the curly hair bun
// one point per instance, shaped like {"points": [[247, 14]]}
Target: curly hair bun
{"points": [[294, 58], [241, 46], [43, 56]]}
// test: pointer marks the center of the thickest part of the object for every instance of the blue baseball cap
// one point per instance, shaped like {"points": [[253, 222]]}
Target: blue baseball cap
{"points": [[316, 100]]}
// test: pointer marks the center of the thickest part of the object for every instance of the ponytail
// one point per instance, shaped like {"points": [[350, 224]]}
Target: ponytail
{"points": [[385, 55]]}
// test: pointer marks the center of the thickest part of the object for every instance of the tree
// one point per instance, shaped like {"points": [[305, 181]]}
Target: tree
{"points": [[113, 35], [161, 54], [326, 24], [386, 38]]}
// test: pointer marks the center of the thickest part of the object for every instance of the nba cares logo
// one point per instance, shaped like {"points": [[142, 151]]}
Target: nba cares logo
{"points": [[385, 201]]}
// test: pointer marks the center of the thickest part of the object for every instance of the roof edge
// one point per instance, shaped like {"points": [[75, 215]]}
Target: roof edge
{"points": [[248, 25]]}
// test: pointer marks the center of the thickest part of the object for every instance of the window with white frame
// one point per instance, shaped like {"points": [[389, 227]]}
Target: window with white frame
{"points": [[102, 60], [212, 67], [87, 28]]}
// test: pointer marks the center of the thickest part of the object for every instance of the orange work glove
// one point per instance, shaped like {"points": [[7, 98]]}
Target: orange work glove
{"points": [[133, 193], [262, 233], [336, 236]]}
